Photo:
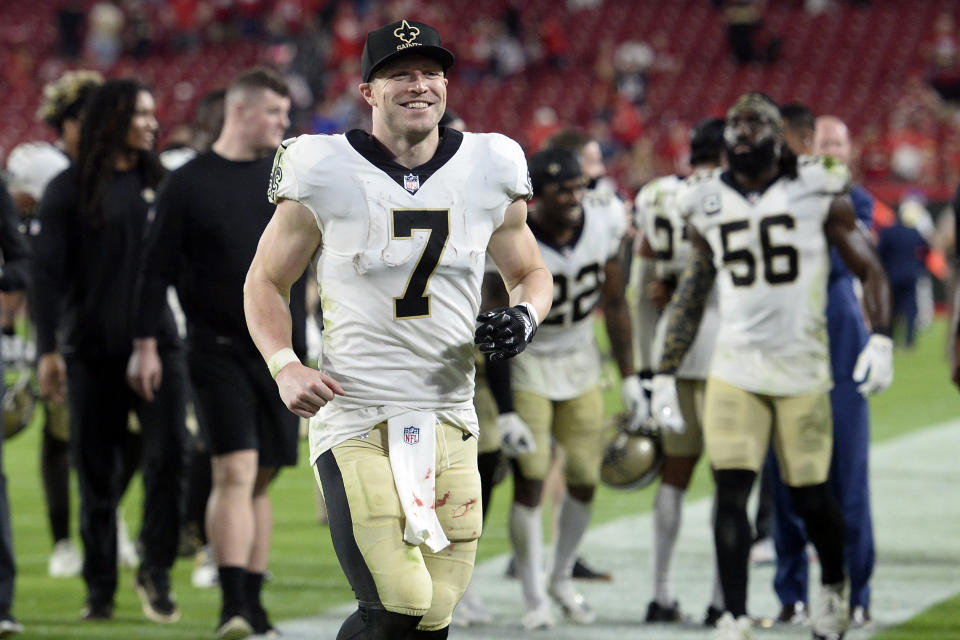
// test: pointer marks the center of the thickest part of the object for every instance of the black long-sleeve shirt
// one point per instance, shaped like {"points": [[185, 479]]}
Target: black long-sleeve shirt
{"points": [[84, 274], [210, 216], [14, 267]]}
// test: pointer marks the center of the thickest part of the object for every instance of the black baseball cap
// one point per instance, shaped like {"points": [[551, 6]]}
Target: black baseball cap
{"points": [[552, 165], [401, 38]]}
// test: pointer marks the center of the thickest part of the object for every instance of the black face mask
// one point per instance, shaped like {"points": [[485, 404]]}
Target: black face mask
{"points": [[753, 162]]}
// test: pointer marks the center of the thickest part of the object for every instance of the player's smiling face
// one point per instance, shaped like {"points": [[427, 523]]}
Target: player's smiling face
{"points": [[410, 94], [561, 202]]}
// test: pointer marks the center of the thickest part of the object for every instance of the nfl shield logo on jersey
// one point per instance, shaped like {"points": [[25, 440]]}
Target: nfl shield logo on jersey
{"points": [[411, 182], [411, 435]]}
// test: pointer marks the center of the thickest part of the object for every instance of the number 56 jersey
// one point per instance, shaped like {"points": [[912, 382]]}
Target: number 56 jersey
{"points": [[401, 263], [772, 261]]}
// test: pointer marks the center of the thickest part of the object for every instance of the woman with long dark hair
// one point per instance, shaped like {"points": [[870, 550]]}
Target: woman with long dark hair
{"points": [[93, 219]]}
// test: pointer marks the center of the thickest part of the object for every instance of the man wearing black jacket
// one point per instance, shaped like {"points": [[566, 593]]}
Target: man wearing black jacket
{"points": [[13, 277], [210, 216]]}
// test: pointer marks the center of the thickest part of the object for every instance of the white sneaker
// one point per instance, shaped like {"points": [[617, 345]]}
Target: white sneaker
{"points": [[65, 561], [831, 616], [127, 555], [860, 617], [538, 618], [574, 605], [9, 626], [205, 574], [730, 628]]}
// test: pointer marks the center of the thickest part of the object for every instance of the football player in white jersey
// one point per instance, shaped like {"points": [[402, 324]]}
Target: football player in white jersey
{"points": [[666, 241], [403, 220], [601, 193], [762, 232], [556, 381]]}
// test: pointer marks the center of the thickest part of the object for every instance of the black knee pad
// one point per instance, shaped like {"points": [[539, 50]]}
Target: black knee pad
{"points": [[377, 624]]}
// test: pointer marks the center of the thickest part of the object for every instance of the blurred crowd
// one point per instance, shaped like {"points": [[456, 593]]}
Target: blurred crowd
{"points": [[315, 44]]}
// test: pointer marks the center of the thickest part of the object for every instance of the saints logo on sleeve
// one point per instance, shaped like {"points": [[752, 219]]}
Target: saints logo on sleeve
{"points": [[276, 174]]}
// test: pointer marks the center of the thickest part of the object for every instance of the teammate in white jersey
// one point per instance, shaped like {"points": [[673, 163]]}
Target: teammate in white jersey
{"points": [[402, 219], [666, 241], [761, 231], [556, 381]]}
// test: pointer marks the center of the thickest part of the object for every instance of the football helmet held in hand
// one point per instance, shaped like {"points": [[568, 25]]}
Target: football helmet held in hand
{"points": [[631, 460]]}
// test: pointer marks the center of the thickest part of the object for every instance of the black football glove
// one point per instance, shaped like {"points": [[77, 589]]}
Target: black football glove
{"points": [[504, 332]]}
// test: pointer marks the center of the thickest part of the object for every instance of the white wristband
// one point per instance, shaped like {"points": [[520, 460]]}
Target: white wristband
{"points": [[281, 359], [533, 313]]}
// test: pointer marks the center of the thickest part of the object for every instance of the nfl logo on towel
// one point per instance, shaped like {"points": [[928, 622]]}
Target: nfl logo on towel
{"points": [[411, 435], [411, 182]]}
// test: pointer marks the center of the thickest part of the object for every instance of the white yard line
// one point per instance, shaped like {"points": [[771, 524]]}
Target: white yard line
{"points": [[915, 486]]}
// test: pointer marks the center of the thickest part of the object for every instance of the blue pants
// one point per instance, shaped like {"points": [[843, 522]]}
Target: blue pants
{"points": [[849, 473]]}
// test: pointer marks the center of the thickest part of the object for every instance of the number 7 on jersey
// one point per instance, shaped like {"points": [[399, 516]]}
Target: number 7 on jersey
{"points": [[415, 302]]}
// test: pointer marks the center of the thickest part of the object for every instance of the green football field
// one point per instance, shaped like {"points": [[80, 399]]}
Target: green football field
{"points": [[307, 579]]}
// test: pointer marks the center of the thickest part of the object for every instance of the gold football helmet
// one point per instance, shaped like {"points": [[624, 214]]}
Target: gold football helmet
{"points": [[631, 460]]}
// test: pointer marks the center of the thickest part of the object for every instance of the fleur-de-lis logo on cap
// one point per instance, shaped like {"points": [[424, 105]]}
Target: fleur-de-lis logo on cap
{"points": [[406, 33]]}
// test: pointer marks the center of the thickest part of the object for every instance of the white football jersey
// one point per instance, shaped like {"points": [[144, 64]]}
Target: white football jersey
{"points": [[400, 269], [772, 261], [666, 231], [563, 360]]}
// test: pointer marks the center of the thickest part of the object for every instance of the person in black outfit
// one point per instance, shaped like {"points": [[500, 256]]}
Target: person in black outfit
{"points": [[93, 219], [13, 277], [210, 216]]}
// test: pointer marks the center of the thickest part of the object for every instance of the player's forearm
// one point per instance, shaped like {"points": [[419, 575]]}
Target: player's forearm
{"points": [[536, 287], [267, 311], [617, 318], [877, 300], [685, 311]]}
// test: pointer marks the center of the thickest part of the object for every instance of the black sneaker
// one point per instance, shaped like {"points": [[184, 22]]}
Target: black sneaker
{"points": [[582, 572], [234, 626], [656, 612], [97, 611], [9, 626], [713, 614], [261, 623], [153, 589]]}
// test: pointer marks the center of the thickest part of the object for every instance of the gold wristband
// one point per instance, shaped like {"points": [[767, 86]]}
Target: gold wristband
{"points": [[281, 359]]}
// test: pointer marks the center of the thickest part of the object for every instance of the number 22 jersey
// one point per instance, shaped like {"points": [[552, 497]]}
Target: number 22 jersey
{"points": [[400, 267], [772, 261], [563, 360]]}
